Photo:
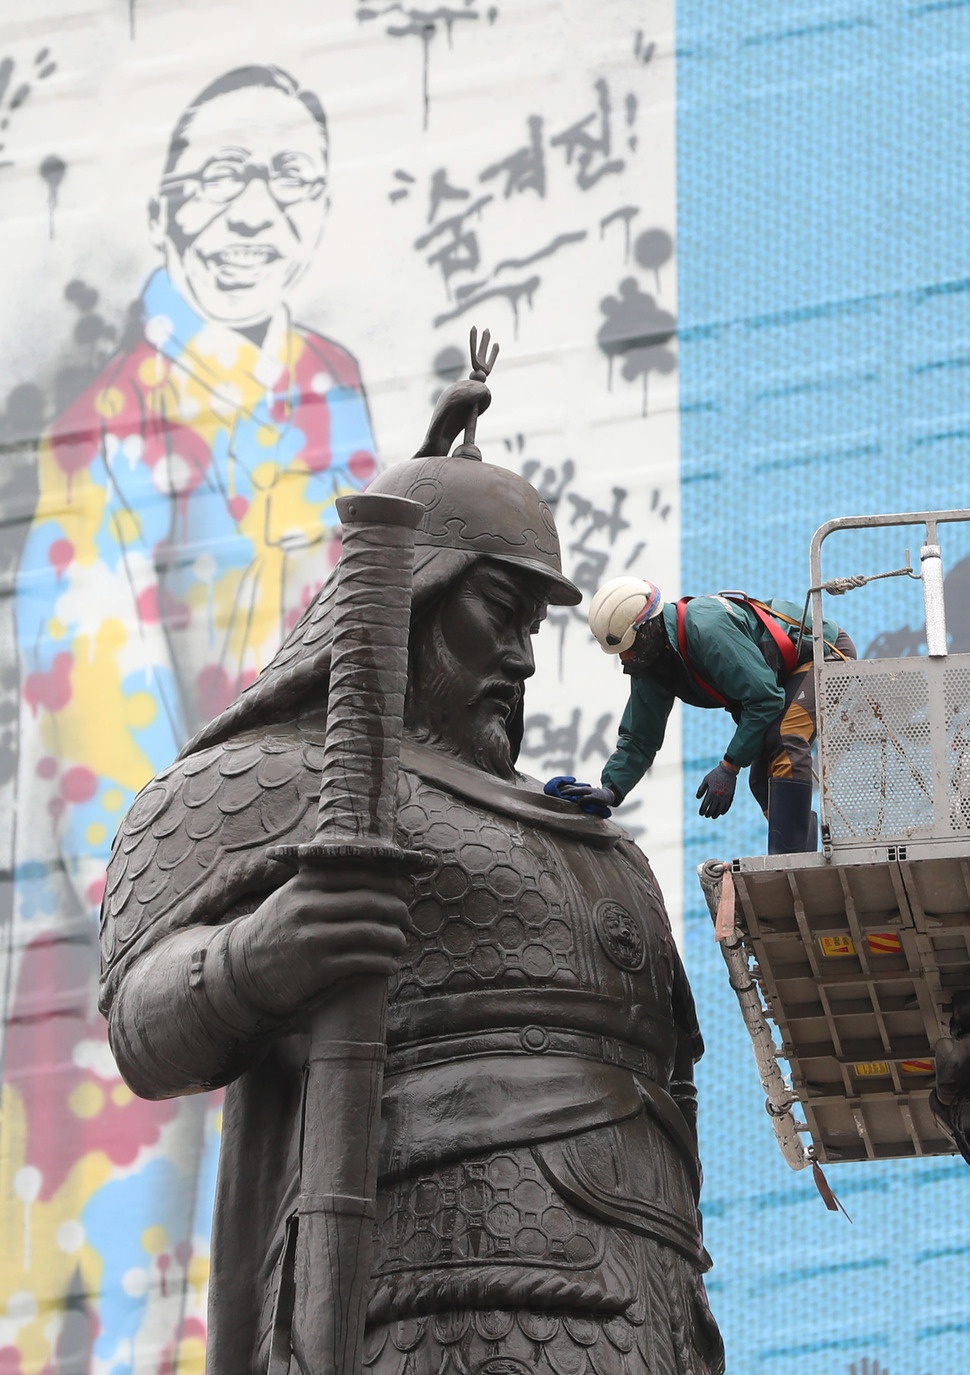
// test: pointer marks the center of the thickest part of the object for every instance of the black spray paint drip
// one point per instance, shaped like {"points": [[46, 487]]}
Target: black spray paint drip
{"points": [[514, 293], [52, 171], [654, 248], [470, 295], [423, 23], [624, 215]]}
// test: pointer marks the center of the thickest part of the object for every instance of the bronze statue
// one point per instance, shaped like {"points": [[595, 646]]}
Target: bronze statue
{"points": [[537, 1177]]}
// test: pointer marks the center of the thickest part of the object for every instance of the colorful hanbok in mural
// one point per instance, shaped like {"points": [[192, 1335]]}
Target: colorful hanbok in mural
{"points": [[186, 516]]}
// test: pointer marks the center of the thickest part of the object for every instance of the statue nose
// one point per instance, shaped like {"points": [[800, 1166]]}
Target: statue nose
{"points": [[519, 662]]}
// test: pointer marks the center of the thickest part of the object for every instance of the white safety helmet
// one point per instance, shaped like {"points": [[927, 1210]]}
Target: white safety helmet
{"points": [[619, 607]]}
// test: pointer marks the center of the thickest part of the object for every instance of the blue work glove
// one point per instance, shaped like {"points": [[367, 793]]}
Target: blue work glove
{"points": [[717, 791], [595, 801]]}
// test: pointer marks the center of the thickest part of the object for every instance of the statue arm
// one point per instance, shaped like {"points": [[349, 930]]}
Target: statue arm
{"points": [[689, 1048], [177, 1024], [688, 1043], [198, 1008]]}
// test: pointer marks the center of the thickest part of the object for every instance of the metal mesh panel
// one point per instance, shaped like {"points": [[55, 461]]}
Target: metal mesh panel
{"points": [[956, 695], [895, 749], [877, 758]]}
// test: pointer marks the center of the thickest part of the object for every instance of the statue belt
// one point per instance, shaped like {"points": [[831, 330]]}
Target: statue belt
{"points": [[527, 1040]]}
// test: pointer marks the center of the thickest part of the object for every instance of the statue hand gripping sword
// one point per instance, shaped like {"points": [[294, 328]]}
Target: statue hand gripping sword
{"points": [[355, 831]]}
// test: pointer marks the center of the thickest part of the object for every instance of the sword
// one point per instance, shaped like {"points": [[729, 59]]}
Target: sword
{"points": [[355, 827]]}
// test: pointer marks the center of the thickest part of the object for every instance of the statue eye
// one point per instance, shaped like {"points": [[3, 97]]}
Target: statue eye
{"points": [[497, 602]]}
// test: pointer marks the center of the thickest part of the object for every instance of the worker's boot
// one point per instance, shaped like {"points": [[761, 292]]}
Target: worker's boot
{"points": [[792, 825]]}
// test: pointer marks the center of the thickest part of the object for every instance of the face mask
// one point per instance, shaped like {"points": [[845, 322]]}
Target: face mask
{"points": [[647, 650]]}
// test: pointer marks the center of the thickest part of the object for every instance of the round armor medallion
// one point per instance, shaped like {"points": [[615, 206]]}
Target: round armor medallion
{"points": [[620, 935]]}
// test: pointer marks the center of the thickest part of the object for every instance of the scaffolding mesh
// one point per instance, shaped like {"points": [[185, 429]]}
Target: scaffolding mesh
{"points": [[876, 749]]}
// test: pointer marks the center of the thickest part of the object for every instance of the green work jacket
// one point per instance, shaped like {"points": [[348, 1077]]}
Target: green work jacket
{"points": [[731, 650]]}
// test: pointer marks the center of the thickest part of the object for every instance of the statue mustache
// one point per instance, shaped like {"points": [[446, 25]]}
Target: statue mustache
{"points": [[504, 689]]}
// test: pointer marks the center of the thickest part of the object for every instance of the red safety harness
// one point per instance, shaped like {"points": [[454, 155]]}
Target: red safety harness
{"points": [[789, 655]]}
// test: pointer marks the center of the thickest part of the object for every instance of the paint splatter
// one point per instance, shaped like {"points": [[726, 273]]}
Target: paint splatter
{"points": [[636, 330], [654, 248], [52, 171], [15, 90]]}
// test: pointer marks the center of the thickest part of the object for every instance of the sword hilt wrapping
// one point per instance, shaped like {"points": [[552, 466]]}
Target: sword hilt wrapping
{"points": [[369, 670]]}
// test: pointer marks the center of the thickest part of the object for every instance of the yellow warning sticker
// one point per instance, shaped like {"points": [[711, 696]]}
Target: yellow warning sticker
{"points": [[884, 943], [837, 945], [917, 1067], [872, 1069]]}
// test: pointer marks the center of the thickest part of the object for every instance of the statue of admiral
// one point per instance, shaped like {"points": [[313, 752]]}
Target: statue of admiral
{"points": [[537, 1194]]}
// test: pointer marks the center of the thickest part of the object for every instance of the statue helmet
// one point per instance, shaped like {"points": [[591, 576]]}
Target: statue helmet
{"points": [[619, 607], [472, 506], [473, 510], [482, 509]]}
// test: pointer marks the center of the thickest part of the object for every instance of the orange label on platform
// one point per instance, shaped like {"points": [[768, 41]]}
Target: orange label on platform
{"points": [[872, 1069], [837, 945], [917, 1067], [884, 943]]}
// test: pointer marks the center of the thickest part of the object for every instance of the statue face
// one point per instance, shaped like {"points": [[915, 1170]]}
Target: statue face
{"points": [[241, 212], [470, 661]]}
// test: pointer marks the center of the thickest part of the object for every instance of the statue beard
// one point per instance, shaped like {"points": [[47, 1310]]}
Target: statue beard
{"points": [[435, 684]]}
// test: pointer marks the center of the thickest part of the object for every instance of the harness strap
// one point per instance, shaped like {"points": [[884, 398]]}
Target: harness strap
{"points": [[789, 655], [682, 646], [789, 620], [767, 617]]}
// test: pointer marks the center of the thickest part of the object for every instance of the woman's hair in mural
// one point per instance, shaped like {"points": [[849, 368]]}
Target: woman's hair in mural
{"points": [[241, 78]]}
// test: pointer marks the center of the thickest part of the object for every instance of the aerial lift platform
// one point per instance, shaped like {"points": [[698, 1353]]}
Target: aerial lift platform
{"points": [[846, 961]]}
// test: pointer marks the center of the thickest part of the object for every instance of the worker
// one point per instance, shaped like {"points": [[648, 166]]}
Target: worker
{"points": [[748, 657]]}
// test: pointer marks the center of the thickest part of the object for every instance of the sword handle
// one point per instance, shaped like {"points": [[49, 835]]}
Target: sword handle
{"points": [[369, 670]]}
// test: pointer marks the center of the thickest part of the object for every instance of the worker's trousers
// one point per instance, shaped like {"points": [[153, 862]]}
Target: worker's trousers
{"points": [[787, 748]]}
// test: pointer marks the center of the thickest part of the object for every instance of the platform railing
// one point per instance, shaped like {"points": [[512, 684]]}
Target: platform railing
{"points": [[894, 734]]}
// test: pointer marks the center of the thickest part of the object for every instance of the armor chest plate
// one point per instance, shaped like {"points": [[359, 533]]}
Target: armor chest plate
{"points": [[522, 912]]}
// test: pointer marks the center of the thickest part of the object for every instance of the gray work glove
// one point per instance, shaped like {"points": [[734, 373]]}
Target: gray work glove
{"points": [[596, 801], [717, 791]]}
